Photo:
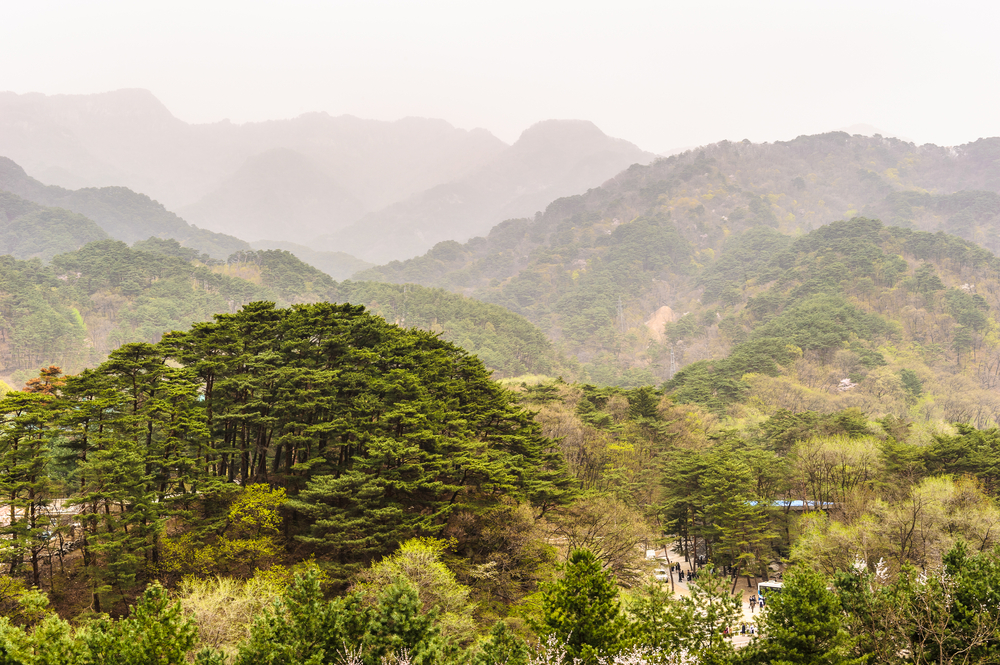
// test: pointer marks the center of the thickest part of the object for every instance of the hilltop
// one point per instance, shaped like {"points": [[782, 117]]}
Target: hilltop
{"points": [[551, 159]]}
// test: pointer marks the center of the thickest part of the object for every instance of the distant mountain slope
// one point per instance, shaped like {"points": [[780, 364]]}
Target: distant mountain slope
{"points": [[92, 300], [420, 180], [506, 342], [278, 192], [29, 231], [855, 314], [125, 215], [551, 159], [594, 267]]}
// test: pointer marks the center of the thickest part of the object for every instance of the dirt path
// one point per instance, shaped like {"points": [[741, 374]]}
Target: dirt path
{"points": [[749, 615]]}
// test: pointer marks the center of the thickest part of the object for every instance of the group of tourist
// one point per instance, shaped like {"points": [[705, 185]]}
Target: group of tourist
{"points": [[745, 629], [682, 575]]}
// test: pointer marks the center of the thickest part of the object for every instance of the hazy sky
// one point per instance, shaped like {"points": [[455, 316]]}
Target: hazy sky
{"points": [[660, 74]]}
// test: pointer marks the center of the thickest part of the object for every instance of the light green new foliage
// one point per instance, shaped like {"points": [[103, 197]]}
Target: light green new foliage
{"points": [[51, 642], [224, 608], [418, 562], [156, 631]]}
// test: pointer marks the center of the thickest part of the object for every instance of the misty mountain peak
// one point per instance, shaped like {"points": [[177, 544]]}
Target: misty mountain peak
{"points": [[551, 133], [558, 146], [11, 171], [129, 103], [551, 159], [277, 192]]}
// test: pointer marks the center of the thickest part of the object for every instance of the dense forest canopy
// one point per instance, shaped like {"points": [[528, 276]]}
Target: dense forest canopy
{"points": [[377, 433], [890, 320]]}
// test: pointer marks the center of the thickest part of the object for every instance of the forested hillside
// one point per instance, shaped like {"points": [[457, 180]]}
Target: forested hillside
{"points": [[31, 231], [833, 416], [316, 480], [353, 417], [892, 321], [593, 268], [90, 301], [120, 212], [505, 342]]}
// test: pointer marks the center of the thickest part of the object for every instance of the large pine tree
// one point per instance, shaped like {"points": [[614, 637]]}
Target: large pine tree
{"points": [[582, 611]]}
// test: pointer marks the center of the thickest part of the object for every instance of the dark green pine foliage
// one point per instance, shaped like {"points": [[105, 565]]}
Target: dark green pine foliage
{"points": [[582, 611], [304, 628], [397, 627], [136, 432], [803, 624], [156, 631], [25, 478], [377, 432], [381, 432]]}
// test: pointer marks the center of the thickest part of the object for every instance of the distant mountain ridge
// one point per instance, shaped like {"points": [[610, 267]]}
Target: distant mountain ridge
{"points": [[279, 190], [128, 138], [123, 214], [551, 159], [420, 179]]}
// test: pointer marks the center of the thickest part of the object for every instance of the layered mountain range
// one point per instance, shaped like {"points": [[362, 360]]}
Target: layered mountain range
{"points": [[378, 190], [687, 251]]}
